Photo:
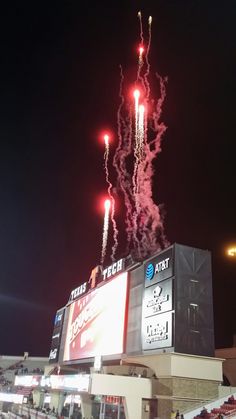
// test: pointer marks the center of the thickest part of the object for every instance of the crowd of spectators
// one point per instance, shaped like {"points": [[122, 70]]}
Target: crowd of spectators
{"points": [[225, 410]]}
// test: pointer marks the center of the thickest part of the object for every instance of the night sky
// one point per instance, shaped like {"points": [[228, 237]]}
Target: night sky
{"points": [[60, 80]]}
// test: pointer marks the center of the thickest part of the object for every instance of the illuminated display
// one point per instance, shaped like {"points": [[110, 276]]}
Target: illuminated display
{"points": [[27, 380], [11, 398], [96, 321], [78, 382]]}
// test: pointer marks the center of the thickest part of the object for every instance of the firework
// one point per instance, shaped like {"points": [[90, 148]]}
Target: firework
{"points": [[107, 205], [112, 200], [140, 133]]}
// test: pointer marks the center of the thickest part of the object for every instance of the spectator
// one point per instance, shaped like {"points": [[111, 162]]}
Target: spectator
{"points": [[177, 416], [231, 400], [203, 412]]}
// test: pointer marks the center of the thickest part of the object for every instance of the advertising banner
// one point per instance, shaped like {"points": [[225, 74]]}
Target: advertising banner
{"points": [[96, 321], [56, 336], [157, 331], [158, 298], [11, 398], [27, 380], [77, 382], [159, 268]]}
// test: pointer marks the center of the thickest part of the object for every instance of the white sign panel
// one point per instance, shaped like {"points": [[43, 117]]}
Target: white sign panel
{"points": [[27, 380], [11, 398], [157, 331], [77, 382]]}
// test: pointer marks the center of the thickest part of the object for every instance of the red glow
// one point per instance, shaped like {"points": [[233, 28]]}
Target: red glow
{"points": [[136, 94], [107, 204], [99, 203], [105, 136]]}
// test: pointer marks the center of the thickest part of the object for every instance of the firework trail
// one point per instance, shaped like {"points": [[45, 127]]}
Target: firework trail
{"points": [[107, 205], [112, 200], [140, 132], [141, 129], [141, 27], [136, 139], [147, 86], [122, 153], [151, 228], [148, 228]]}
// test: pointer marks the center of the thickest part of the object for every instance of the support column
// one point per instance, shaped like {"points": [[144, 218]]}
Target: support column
{"points": [[86, 405], [133, 407]]}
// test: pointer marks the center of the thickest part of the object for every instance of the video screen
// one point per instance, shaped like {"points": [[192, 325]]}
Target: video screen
{"points": [[96, 321]]}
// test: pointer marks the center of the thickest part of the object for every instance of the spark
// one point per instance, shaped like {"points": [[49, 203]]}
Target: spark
{"points": [[147, 57], [141, 26], [107, 205], [106, 140], [141, 48], [140, 58]]}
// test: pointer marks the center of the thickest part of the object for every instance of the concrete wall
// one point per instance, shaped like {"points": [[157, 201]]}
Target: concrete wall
{"points": [[183, 394], [181, 365], [229, 365]]}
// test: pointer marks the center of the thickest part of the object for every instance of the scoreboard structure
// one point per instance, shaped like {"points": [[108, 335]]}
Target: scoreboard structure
{"points": [[177, 303], [163, 304]]}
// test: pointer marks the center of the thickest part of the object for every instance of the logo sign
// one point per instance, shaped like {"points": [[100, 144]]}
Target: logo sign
{"points": [[150, 271], [94, 276], [78, 291], [159, 268], [157, 332], [157, 298], [53, 354], [58, 319], [113, 269]]}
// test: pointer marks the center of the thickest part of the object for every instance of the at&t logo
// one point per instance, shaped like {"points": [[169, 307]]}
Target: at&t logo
{"points": [[152, 270], [149, 272]]}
